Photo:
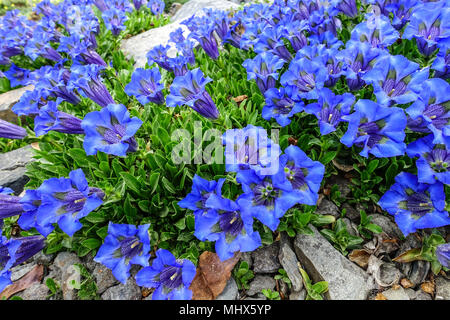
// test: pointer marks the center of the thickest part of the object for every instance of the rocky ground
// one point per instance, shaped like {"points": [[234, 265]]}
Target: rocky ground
{"points": [[368, 273]]}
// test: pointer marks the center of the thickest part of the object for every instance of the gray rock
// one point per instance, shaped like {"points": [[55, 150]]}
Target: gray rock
{"points": [[44, 259], [351, 213], [13, 168], [88, 262], [19, 271], [37, 291], [8, 100], [416, 271], [327, 207], [174, 8], [289, 262], [342, 183], [298, 295], [351, 227], [260, 282], [387, 224], [104, 278], [346, 281], [65, 262], [137, 47], [128, 291], [195, 7], [259, 296], [420, 295], [265, 259], [442, 288], [396, 294], [389, 274], [230, 292]]}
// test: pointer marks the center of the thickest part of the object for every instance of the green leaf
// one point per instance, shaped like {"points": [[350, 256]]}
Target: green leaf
{"points": [[131, 182], [328, 156], [374, 228], [91, 243], [79, 156], [154, 180]]}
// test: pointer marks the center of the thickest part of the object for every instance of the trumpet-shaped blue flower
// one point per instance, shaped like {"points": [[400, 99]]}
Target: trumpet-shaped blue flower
{"points": [[5, 190], [169, 276], [123, 246], [396, 80], [145, 85], [11, 131], [376, 30], [429, 24], [9, 205], [378, 130], [442, 62], [31, 202], [157, 6], [114, 20], [434, 160], [431, 112], [306, 75], [158, 55], [65, 201], [110, 130], [263, 69], [202, 190], [250, 148], [17, 76], [330, 108], [359, 57], [51, 119], [15, 251], [30, 103], [190, 90], [415, 205], [205, 35], [228, 226], [280, 106], [443, 254], [271, 40], [348, 7]]}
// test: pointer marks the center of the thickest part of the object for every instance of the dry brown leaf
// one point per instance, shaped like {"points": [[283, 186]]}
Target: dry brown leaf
{"points": [[428, 287], [239, 99], [360, 257], [292, 141], [212, 275], [406, 283], [35, 146], [35, 275], [380, 296]]}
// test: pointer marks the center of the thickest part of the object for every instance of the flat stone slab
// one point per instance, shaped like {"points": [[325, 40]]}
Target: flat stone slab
{"points": [[138, 46], [8, 100], [346, 281], [13, 168]]}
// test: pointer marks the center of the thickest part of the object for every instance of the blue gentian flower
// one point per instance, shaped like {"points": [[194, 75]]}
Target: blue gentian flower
{"points": [[138, 4], [378, 130], [442, 62], [280, 106], [263, 198], [146, 86], [201, 190], [228, 226], [190, 90], [330, 108], [110, 130], [348, 7], [157, 6], [179, 65], [114, 20], [428, 25], [250, 148], [205, 35], [65, 201], [306, 75], [5, 190], [434, 160], [271, 40], [39, 46], [11, 131], [415, 205], [359, 57], [158, 55], [294, 30], [9, 205], [299, 174], [396, 80], [430, 112], [401, 12], [177, 35], [31, 202], [443, 254], [101, 5], [51, 119], [17, 76], [123, 246], [15, 251], [169, 276], [376, 30], [88, 79], [30, 103], [263, 69]]}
